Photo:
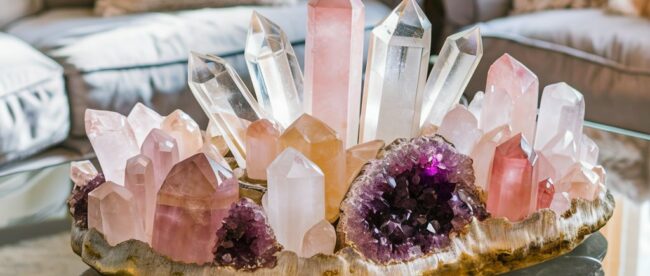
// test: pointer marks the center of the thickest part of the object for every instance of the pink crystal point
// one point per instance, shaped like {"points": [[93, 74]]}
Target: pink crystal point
{"points": [[333, 62], [460, 127], [560, 203], [545, 192], [588, 151], [186, 132], [81, 172], [141, 183], [483, 154], [162, 149], [508, 74], [497, 109], [263, 142], [510, 191], [192, 202], [112, 211], [580, 182], [142, 119], [320, 239], [562, 152], [113, 141], [476, 105], [562, 110]]}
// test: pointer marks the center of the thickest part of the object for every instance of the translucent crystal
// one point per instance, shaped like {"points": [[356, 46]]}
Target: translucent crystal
{"points": [[545, 192], [320, 239], [356, 157], [262, 139], [82, 172], [225, 99], [588, 151], [112, 211], [562, 152], [455, 65], [580, 182], [186, 132], [274, 70], [141, 183], [461, 129], [476, 105], [398, 58], [296, 198], [483, 154], [496, 111], [162, 150], [333, 63], [562, 110], [561, 202], [142, 120]]}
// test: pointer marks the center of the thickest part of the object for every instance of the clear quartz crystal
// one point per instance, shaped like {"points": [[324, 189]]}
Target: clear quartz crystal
{"points": [[143, 119], [274, 70], [225, 99], [398, 58], [562, 110], [452, 71]]}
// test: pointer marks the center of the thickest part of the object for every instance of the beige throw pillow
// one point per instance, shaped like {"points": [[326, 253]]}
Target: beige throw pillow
{"points": [[524, 6], [630, 7], [119, 7]]}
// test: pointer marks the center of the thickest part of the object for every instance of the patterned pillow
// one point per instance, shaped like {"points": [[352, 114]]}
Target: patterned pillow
{"points": [[119, 7], [524, 6]]}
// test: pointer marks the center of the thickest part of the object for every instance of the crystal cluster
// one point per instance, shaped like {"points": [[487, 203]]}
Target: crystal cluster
{"points": [[410, 202]]}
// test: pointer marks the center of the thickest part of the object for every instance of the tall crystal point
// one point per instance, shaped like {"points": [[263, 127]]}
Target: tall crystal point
{"points": [[225, 99], [454, 67], [395, 75], [274, 70], [333, 62], [562, 110]]}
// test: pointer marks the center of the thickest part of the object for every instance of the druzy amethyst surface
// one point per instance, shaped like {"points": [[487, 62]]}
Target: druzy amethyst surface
{"points": [[78, 200], [408, 203], [246, 241]]}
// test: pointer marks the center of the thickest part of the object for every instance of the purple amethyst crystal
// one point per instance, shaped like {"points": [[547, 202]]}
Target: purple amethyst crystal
{"points": [[409, 202], [78, 200], [246, 241]]}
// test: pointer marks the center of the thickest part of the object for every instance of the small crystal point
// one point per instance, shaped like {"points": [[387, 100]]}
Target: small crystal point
{"points": [[143, 119], [162, 150], [562, 110], [141, 183], [262, 139], [186, 132], [113, 140], [398, 58], [476, 105], [483, 154], [112, 211], [358, 156], [223, 96], [295, 198], [451, 73], [320, 239], [588, 151], [580, 182], [560, 203], [81, 172], [460, 127], [274, 70], [545, 192]]}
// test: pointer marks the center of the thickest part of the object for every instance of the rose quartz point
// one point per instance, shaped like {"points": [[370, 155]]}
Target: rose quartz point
{"points": [[141, 183], [460, 127], [560, 203], [112, 211], [545, 192], [186, 132], [263, 144], [162, 149], [81, 172], [320, 239], [143, 119], [483, 154]]}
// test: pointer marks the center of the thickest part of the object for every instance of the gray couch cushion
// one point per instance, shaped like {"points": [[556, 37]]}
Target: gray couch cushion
{"points": [[34, 111], [112, 63], [606, 57]]}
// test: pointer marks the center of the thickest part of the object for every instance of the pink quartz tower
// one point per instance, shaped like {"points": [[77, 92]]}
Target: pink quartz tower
{"points": [[333, 62]]}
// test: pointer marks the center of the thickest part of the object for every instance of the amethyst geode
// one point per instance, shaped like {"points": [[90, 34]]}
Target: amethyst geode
{"points": [[246, 241], [408, 203], [78, 200]]}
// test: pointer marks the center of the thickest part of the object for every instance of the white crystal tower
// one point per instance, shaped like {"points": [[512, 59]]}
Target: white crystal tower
{"points": [[562, 110], [225, 99], [395, 75], [452, 71], [274, 70]]}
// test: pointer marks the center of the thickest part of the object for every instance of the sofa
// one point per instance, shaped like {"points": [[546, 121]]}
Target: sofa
{"points": [[60, 59]]}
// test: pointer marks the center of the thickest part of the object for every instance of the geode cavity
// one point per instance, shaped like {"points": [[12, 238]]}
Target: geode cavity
{"points": [[408, 203], [78, 200]]}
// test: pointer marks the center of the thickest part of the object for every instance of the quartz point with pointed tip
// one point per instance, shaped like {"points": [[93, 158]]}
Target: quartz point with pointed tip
{"points": [[588, 151], [320, 239], [511, 193], [562, 110], [458, 58], [141, 183], [398, 57], [509, 75], [476, 105], [580, 182], [82, 172], [191, 205], [460, 127], [358, 156], [142, 119], [112, 211], [545, 192], [483, 154], [186, 132], [113, 140], [223, 96], [560, 203], [274, 69], [333, 64], [295, 198], [162, 150], [320, 144], [263, 139]]}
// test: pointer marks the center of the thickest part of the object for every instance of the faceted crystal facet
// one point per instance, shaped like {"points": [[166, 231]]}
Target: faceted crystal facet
{"points": [[274, 70], [509, 75], [476, 105], [190, 208], [333, 62], [588, 151], [262, 139], [561, 202], [545, 192], [82, 172], [141, 183], [113, 141], [142, 119], [460, 128], [562, 110], [295, 198], [454, 67], [398, 57], [483, 154], [497, 110], [223, 96], [186, 132], [320, 144], [562, 152], [580, 182], [112, 211], [320, 239], [162, 150], [511, 192], [544, 169], [356, 157]]}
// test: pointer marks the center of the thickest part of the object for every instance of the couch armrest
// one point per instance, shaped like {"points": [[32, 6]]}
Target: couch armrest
{"points": [[465, 12]]}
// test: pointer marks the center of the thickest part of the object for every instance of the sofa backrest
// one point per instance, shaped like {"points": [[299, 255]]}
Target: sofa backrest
{"points": [[12, 10]]}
